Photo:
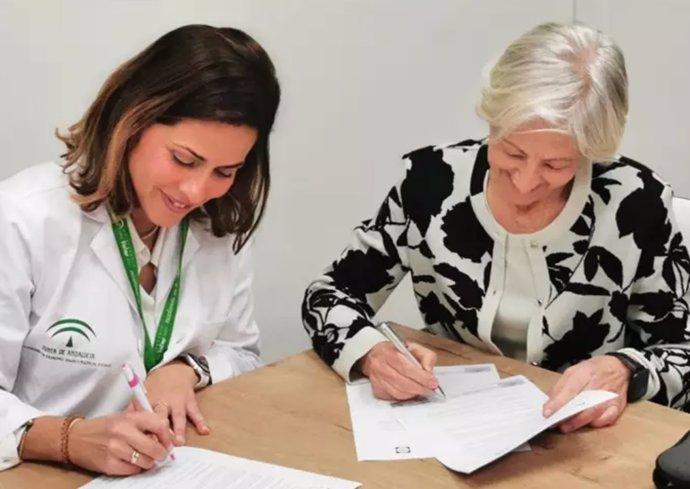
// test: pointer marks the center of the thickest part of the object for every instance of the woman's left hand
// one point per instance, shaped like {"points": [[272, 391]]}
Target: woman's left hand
{"points": [[602, 372], [173, 386]]}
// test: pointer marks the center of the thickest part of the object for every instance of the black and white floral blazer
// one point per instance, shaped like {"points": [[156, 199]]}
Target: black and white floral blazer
{"points": [[616, 280]]}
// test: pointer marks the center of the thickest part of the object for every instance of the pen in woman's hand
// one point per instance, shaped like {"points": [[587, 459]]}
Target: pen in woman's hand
{"points": [[399, 344], [138, 392]]}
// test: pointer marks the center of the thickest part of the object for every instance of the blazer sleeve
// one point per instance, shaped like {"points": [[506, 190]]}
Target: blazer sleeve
{"points": [[339, 304], [658, 328]]}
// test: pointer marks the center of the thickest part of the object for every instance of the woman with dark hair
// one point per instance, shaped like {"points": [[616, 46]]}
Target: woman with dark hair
{"points": [[136, 250]]}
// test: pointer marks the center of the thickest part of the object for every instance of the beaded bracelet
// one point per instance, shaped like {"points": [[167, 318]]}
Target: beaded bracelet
{"points": [[67, 425]]}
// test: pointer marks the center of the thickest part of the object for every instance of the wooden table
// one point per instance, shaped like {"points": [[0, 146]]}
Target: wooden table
{"points": [[294, 412]]}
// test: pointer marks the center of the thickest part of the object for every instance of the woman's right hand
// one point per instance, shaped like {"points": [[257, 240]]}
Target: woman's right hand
{"points": [[106, 444], [394, 377]]}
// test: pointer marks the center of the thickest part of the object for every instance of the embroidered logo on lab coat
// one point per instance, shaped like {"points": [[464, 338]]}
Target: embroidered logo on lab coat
{"points": [[69, 328], [70, 340]]}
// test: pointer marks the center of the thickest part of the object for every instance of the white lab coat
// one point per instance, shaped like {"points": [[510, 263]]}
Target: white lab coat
{"points": [[58, 262]]}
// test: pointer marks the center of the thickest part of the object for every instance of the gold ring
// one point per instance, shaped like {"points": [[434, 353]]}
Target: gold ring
{"points": [[134, 458]]}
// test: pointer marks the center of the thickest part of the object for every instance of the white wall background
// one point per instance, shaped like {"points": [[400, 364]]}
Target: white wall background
{"points": [[364, 81], [655, 39]]}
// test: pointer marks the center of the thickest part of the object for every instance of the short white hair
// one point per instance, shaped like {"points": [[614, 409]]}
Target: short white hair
{"points": [[571, 76]]}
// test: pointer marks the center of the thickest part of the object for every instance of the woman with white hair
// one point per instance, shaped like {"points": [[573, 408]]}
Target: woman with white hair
{"points": [[538, 243]]}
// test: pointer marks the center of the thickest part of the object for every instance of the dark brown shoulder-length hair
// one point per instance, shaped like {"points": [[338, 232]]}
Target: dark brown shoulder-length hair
{"points": [[193, 72]]}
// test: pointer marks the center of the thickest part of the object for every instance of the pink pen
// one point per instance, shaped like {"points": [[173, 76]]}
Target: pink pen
{"points": [[139, 392]]}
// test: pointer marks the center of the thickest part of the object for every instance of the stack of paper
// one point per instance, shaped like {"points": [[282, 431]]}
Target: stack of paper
{"points": [[378, 433], [197, 468], [481, 420]]}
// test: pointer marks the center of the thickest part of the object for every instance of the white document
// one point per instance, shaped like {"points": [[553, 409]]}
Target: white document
{"points": [[380, 436], [474, 429], [198, 468]]}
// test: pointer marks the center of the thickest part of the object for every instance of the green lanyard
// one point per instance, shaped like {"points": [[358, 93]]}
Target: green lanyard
{"points": [[153, 354]]}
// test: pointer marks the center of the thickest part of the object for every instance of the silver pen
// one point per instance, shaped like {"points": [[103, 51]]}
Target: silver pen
{"points": [[399, 344]]}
